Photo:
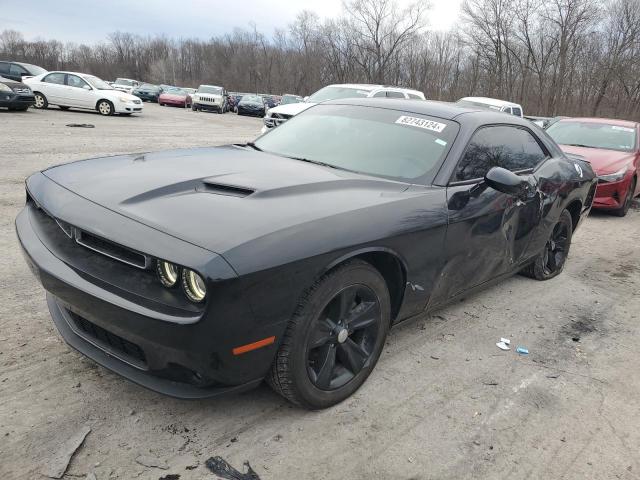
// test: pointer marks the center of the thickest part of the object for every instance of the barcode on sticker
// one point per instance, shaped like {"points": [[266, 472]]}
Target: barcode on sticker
{"points": [[421, 123]]}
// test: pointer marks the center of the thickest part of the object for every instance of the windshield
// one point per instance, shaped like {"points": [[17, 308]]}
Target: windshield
{"points": [[336, 93], [97, 83], [123, 81], [175, 91], [593, 135], [373, 141], [212, 90], [290, 99], [148, 86], [251, 99], [34, 69]]}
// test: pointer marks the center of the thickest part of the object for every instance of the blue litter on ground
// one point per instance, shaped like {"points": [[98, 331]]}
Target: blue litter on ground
{"points": [[522, 351]]}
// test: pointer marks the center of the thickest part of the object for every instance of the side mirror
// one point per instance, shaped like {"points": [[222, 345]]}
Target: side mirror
{"points": [[87, 87], [505, 181]]}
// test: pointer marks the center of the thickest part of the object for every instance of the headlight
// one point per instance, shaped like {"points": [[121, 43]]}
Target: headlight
{"points": [[193, 285], [124, 99], [4, 88], [613, 177], [168, 273]]}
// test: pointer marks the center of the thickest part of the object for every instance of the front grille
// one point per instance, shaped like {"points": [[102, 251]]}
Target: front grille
{"points": [[110, 249], [106, 340], [276, 119], [207, 99], [22, 90]]}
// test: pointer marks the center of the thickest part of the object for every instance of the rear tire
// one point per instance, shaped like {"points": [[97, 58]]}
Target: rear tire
{"points": [[105, 108], [335, 337], [550, 262], [622, 211], [40, 101]]}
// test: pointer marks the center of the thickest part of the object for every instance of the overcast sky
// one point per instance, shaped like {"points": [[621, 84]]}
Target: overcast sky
{"points": [[90, 21]]}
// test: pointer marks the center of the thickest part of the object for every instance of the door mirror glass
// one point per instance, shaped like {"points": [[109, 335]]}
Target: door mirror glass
{"points": [[505, 181]]}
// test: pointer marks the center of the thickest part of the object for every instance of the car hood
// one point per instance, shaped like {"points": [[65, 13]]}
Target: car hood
{"points": [[291, 108], [12, 83], [219, 198], [603, 161]]}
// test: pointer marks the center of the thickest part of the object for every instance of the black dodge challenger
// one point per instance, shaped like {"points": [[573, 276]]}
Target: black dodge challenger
{"points": [[203, 271]]}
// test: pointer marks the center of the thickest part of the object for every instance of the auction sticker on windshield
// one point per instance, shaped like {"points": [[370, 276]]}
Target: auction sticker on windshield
{"points": [[421, 123]]}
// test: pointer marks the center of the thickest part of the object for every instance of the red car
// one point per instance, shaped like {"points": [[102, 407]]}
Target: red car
{"points": [[176, 97], [611, 146]]}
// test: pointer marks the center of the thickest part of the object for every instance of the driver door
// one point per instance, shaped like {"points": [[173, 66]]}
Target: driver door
{"points": [[489, 231]]}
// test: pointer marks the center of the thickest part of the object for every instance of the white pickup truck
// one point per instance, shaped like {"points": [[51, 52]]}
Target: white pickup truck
{"points": [[210, 97], [280, 114]]}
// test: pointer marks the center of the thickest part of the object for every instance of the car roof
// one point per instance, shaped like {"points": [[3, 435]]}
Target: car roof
{"points": [[608, 121], [70, 73], [371, 87], [491, 101], [207, 85], [444, 110]]}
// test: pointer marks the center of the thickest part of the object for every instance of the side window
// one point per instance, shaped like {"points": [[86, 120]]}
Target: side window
{"points": [[380, 94], [512, 148], [516, 111], [395, 94], [506, 110], [413, 95], [75, 81], [57, 78], [4, 67], [17, 70]]}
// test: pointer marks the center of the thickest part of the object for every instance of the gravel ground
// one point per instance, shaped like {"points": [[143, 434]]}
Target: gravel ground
{"points": [[443, 402]]}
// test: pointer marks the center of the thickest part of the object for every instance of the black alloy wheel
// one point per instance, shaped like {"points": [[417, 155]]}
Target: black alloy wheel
{"points": [[335, 337], [342, 339], [555, 251], [550, 262]]}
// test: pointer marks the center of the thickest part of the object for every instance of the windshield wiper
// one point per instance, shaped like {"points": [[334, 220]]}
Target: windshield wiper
{"points": [[253, 145], [316, 162], [579, 145]]}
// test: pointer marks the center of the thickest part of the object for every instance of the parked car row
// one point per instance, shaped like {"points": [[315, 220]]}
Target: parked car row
{"points": [[611, 146]]}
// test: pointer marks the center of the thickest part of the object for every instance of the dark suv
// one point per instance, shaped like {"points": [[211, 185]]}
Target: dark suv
{"points": [[17, 70], [15, 95]]}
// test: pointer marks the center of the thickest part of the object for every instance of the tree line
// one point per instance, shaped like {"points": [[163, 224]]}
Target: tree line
{"points": [[555, 57]]}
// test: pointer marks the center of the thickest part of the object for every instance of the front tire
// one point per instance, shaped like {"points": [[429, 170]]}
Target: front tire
{"points": [[550, 262], [624, 209], [105, 107], [335, 337], [40, 101]]}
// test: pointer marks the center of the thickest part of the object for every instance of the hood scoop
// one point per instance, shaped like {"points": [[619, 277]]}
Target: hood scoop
{"points": [[222, 189]]}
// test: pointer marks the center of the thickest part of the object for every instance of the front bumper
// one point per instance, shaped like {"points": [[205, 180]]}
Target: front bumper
{"points": [[611, 195], [209, 106], [187, 356], [128, 107], [251, 112], [16, 100]]}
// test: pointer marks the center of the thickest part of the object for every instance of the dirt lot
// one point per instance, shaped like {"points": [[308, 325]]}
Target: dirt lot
{"points": [[443, 402]]}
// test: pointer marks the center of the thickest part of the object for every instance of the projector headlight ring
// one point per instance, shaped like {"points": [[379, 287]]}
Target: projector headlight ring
{"points": [[168, 273], [193, 285]]}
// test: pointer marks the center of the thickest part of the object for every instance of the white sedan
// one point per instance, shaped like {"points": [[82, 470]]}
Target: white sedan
{"points": [[79, 90]]}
